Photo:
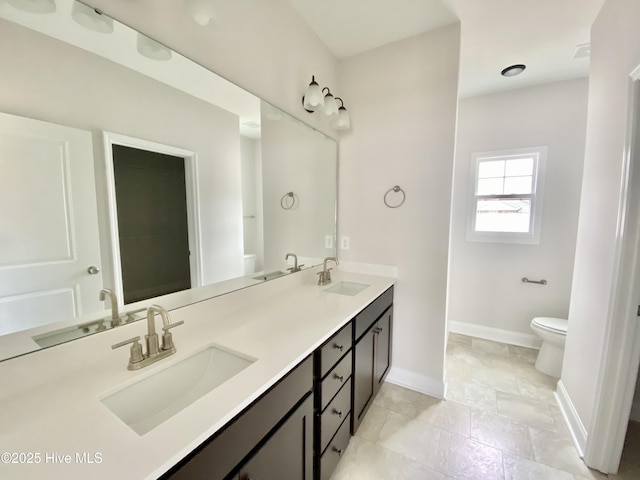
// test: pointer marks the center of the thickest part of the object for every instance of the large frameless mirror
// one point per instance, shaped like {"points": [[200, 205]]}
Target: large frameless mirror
{"points": [[130, 175]]}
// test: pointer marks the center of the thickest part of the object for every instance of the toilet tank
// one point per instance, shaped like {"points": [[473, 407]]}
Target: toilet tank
{"points": [[249, 263]]}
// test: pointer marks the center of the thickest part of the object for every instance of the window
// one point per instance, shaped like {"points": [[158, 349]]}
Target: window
{"points": [[507, 196]]}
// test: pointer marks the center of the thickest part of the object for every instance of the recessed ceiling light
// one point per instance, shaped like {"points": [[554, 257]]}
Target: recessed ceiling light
{"points": [[152, 49], [583, 51], [91, 18], [513, 70], [35, 6]]}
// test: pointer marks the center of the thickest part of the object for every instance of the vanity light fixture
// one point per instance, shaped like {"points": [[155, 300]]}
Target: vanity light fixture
{"points": [[34, 6], [513, 70], [330, 104], [202, 11], [343, 122], [315, 99], [91, 18], [152, 49]]}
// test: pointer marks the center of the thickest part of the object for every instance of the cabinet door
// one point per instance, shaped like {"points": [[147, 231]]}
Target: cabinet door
{"points": [[383, 347], [363, 377], [288, 453]]}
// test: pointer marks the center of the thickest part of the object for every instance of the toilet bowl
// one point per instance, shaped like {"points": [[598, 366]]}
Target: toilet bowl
{"points": [[249, 263], [553, 332]]}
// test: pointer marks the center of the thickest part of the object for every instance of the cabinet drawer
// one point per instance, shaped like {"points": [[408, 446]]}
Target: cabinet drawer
{"points": [[370, 314], [334, 349], [334, 451], [334, 414], [335, 379]]}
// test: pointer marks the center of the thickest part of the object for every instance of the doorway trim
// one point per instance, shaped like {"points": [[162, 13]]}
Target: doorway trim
{"points": [[621, 357], [193, 211]]}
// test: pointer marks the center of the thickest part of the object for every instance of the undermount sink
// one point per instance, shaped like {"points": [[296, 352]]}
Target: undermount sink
{"points": [[270, 275], [347, 288], [149, 402]]}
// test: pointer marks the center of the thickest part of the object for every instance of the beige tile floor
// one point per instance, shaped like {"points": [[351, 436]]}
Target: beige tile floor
{"points": [[500, 421]]}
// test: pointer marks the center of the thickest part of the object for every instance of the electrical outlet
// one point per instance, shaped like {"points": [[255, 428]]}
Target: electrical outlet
{"points": [[344, 243], [328, 241]]}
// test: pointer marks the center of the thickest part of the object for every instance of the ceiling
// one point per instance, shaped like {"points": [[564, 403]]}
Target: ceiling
{"points": [[543, 34]]}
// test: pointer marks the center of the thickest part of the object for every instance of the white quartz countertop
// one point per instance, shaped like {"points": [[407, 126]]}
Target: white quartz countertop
{"points": [[54, 426]]}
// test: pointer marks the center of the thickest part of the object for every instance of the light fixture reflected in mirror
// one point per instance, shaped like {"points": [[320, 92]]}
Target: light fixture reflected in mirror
{"points": [[91, 18], [202, 11], [343, 122], [152, 49], [34, 6]]}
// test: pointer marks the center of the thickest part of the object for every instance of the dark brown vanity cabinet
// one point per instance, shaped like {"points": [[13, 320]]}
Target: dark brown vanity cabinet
{"points": [[371, 353], [300, 427], [287, 455], [332, 379], [271, 440]]}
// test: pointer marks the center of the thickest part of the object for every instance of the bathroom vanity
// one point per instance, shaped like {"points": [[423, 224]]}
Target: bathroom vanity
{"points": [[303, 424], [315, 360]]}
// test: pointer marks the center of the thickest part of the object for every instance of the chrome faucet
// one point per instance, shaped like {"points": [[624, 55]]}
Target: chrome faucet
{"points": [[295, 267], [115, 317], [154, 353], [325, 274]]}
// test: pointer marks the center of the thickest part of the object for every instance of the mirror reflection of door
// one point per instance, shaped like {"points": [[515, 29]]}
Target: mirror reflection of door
{"points": [[48, 224], [153, 230]]}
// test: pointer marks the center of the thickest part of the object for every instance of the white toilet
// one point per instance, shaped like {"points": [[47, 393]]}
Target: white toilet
{"points": [[553, 332], [249, 263]]}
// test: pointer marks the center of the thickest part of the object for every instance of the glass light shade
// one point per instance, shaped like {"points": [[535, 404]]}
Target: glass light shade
{"points": [[202, 11], [330, 105], [34, 6], [343, 122], [91, 19], [152, 49], [313, 98]]}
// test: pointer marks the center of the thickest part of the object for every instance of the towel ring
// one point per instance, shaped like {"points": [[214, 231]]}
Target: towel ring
{"points": [[395, 189], [288, 201]]}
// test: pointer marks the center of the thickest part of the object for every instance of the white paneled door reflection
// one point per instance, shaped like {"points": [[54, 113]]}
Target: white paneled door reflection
{"points": [[48, 224]]}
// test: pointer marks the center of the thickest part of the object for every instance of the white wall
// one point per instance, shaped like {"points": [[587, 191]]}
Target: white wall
{"points": [[615, 53], [486, 295], [55, 82], [402, 98]]}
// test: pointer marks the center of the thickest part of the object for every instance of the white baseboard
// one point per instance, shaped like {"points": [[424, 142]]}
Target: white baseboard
{"points": [[418, 382], [576, 427], [635, 411], [529, 340]]}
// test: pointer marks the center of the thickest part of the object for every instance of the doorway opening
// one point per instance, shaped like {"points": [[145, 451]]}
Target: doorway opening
{"points": [[154, 220]]}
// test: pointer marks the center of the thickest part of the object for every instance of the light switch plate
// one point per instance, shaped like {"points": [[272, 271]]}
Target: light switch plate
{"points": [[344, 243], [328, 241]]}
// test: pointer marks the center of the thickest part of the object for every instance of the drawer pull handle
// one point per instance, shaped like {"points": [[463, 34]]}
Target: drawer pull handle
{"points": [[338, 377], [338, 347], [337, 412], [377, 330], [337, 450]]}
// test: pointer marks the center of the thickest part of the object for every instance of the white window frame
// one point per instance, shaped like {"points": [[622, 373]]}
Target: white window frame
{"points": [[532, 237]]}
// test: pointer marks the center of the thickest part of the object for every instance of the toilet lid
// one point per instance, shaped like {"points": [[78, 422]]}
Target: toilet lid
{"points": [[558, 325]]}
